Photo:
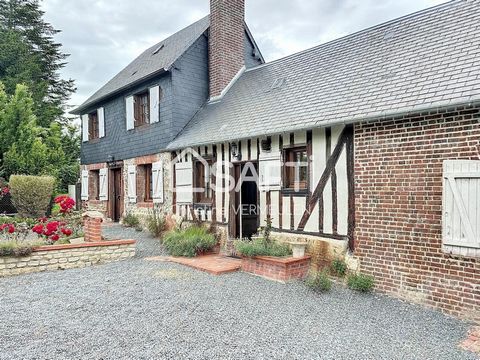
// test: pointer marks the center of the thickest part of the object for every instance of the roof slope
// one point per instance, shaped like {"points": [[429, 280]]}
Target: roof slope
{"points": [[149, 63], [428, 59]]}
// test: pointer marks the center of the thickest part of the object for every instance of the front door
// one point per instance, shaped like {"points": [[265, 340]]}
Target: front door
{"points": [[117, 194]]}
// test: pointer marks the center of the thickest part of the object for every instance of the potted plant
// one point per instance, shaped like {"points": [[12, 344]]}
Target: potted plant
{"points": [[298, 249]]}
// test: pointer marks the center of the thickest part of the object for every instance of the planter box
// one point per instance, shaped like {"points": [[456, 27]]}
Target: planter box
{"points": [[60, 257], [277, 268]]}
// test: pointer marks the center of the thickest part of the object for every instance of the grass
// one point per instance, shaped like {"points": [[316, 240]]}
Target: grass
{"points": [[260, 247], [360, 282], [131, 220], [319, 281], [338, 267], [189, 242]]}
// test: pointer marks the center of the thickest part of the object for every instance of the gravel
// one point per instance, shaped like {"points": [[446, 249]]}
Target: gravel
{"points": [[139, 309]]}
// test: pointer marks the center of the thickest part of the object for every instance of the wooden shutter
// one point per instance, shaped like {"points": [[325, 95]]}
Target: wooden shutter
{"points": [[84, 190], [183, 182], [129, 103], [154, 104], [85, 127], [132, 183], [270, 171], [461, 203], [157, 181], [101, 122], [103, 184]]}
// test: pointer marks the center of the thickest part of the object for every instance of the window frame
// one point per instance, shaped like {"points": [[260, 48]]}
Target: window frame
{"points": [[93, 126], [141, 110], [288, 171], [148, 185], [94, 183], [199, 182]]}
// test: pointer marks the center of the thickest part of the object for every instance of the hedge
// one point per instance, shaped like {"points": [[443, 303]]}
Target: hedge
{"points": [[31, 195]]}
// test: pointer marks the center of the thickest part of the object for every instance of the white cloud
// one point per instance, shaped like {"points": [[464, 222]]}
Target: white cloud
{"points": [[103, 36]]}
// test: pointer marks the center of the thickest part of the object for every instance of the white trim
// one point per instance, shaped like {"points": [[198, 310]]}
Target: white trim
{"points": [[230, 84]]}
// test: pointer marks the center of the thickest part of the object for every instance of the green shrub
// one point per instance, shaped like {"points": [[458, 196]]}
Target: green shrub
{"points": [[339, 267], [13, 248], [319, 281], [156, 223], [31, 195], [131, 220], [260, 247], [189, 242], [360, 282]]}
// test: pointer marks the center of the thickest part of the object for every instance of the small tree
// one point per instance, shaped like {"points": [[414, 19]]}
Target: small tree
{"points": [[31, 195]]}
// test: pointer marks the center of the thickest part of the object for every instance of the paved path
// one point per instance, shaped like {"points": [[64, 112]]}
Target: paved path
{"points": [[140, 309]]}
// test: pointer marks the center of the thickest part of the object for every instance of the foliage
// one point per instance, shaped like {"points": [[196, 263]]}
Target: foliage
{"points": [[52, 231], [156, 223], [339, 267], [189, 242], [131, 220], [360, 282], [14, 248], [29, 55], [260, 247], [319, 281], [31, 195]]}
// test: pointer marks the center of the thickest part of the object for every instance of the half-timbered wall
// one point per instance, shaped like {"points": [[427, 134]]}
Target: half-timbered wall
{"points": [[326, 215]]}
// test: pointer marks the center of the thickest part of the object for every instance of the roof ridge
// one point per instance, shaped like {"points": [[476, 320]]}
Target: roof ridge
{"points": [[356, 33]]}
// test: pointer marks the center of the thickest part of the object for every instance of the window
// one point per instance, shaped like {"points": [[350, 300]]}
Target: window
{"points": [[295, 170], [93, 126], [94, 184], [148, 182], [141, 109], [202, 182]]}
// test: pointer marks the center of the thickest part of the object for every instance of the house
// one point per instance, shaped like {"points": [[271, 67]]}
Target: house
{"points": [[366, 146]]}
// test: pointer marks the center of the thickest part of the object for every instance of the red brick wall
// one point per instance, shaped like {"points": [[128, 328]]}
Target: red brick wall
{"points": [[277, 268], [398, 190], [226, 42]]}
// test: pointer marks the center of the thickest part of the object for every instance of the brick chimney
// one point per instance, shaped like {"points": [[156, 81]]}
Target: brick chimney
{"points": [[226, 43]]}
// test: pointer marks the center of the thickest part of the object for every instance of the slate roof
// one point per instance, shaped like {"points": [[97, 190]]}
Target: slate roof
{"points": [[424, 60], [148, 64]]}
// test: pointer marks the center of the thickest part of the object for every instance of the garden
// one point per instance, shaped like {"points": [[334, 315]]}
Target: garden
{"points": [[42, 218]]}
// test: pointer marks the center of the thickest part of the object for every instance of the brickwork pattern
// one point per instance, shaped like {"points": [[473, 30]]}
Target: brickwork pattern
{"points": [[92, 228], [398, 190], [279, 269], [67, 258]]}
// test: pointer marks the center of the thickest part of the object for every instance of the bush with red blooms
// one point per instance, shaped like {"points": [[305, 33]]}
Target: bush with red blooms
{"points": [[65, 202], [51, 231], [4, 191], [7, 228]]}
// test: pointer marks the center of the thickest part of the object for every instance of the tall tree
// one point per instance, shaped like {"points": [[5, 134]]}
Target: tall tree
{"points": [[30, 55]]}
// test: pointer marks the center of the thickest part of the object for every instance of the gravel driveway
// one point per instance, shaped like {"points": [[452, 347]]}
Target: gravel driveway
{"points": [[140, 309]]}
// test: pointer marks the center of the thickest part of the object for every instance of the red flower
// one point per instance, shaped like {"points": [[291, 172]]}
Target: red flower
{"points": [[5, 191], [54, 237], [11, 229], [66, 231], [3, 226], [38, 229], [52, 226]]}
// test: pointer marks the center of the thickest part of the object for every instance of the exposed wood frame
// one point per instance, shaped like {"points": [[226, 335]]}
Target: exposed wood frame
{"points": [[317, 234], [351, 189]]}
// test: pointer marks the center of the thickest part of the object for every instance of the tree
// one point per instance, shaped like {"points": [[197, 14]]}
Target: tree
{"points": [[29, 55]]}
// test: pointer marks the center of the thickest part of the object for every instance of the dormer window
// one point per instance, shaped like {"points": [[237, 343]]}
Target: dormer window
{"points": [[93, 126], [142, 109]]}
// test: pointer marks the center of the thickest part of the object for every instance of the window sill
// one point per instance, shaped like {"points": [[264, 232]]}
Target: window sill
{"points": [[145, 204], [93, 141], [461, 251], [293, 192]]}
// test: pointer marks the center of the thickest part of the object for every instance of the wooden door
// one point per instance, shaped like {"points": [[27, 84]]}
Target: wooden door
{"points": [[117, 194]]}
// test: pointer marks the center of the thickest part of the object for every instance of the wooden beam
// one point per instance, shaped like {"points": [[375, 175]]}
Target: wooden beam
{"points": [[351, 188], [174, 182], [333, 177], [292, 213], [332, 161], [280, 209]]}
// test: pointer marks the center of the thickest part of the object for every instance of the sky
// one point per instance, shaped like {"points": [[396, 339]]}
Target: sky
{"points": [[103, 36]]}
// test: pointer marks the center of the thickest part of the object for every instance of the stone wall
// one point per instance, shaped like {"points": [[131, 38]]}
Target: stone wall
{"points": [[60, 257], [280, 269], [398, 196]]}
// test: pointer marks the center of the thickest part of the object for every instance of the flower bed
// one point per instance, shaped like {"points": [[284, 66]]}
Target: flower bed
{"points": [[277, 268], [67, 256]]}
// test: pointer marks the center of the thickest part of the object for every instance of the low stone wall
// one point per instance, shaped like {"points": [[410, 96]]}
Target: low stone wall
{"points": [[280, 269], [60, 257]]}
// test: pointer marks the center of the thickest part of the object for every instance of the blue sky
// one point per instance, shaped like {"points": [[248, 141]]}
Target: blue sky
{"points": [[104, 36]]}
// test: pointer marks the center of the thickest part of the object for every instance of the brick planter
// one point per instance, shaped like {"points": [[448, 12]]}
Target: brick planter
{"points": [[277, 268], [60, 257]]}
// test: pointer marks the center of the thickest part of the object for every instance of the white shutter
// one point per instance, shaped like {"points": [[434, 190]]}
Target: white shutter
{"points": [[132, 183], [154, 104], [183, 182], [84, 192], [85, 127], [461, 203], [130, 113], [101, 122], [157, 182], [103, 179], [270, 171]]}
